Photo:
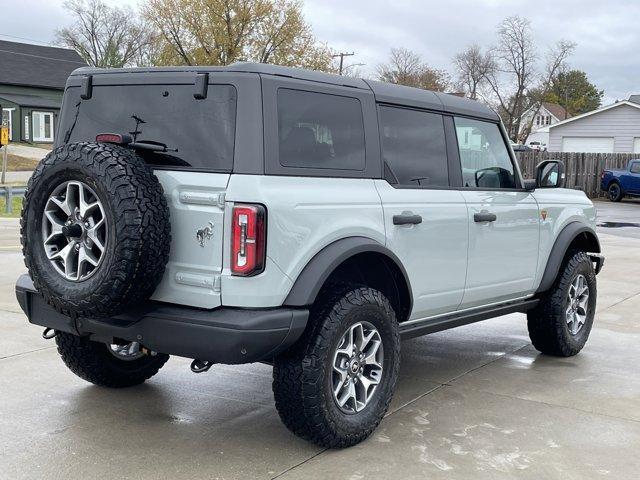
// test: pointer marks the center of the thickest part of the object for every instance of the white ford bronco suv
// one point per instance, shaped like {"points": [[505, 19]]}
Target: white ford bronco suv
{"points": [[255, 213]]}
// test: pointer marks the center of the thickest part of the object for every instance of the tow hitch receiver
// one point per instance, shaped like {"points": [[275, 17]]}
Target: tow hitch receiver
{"points": [[200, 366]]}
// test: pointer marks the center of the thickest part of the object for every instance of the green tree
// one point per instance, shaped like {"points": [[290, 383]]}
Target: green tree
{"points": [[220, 32], [574, 92]]}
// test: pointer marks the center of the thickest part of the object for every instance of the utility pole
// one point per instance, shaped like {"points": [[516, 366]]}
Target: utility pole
{"points": [[342, 55]]}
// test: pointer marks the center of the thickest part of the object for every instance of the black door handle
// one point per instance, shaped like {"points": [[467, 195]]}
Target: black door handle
{"points": [[407, 219], [484, 217]]}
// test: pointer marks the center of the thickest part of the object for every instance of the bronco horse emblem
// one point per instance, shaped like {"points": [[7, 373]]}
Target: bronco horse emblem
{"points": [[204, 234]]}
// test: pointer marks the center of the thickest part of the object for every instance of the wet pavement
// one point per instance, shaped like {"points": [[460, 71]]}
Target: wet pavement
{"points": [[477, 402]]}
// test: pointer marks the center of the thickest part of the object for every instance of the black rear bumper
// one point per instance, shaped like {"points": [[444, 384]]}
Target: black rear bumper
{"points": [[224, 335]]}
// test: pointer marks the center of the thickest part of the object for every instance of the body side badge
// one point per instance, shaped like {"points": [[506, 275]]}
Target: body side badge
{"points": [[204, 234], [543, 214]]}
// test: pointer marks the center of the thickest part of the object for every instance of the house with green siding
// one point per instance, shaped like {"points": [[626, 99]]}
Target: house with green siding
{"points": [[32, 79]]}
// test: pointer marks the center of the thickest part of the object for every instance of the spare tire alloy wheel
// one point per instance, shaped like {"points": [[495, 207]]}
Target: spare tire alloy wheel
{"points": [[74, 229], [95, 229]]}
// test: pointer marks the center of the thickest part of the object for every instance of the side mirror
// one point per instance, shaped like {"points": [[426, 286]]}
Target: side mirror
{"points": [[550, 174]]}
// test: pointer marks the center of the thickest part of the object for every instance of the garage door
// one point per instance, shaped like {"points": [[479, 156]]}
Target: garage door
{"points": [[587, 144]]}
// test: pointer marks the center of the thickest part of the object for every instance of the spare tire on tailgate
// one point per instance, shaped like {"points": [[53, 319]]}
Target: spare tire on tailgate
{"points": [[95, 229]]}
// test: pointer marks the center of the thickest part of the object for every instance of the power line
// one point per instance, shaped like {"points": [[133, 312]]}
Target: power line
{"points": [[342, 55]]}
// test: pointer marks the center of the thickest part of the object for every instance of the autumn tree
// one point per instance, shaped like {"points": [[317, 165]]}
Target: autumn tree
{"points": [[105, 36], [220, 32], [405, 67], [472, 67], [573, 90], [517, 74]]}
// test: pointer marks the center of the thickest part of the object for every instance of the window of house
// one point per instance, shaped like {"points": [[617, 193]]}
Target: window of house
{"points": [[318, 130], [486, 162], [413, 147]]}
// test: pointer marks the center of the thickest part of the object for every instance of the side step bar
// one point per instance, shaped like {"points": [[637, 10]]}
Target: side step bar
{"points": [[457, 319]]}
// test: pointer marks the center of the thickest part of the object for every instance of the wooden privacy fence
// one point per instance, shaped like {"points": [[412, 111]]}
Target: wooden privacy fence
{"points": [[583, 169]]}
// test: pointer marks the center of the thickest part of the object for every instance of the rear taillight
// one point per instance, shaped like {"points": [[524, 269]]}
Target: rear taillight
{"points": [[113, 138], [602, 174], [248, 239]]}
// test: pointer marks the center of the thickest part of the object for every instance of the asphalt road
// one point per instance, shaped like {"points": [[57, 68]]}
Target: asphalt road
{"points": [[622, 219], [476, 402]]}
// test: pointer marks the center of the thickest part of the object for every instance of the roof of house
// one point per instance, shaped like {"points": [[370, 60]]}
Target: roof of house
{"points": [[30, 100], [556, 110], [384, 92], [635, 99], [36, 65], [594, 112]]}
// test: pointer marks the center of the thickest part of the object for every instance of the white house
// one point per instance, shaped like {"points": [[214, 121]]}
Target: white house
{"points": [[614, 128], [548, 114]]}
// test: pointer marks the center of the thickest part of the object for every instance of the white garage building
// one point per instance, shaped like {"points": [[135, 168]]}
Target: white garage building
{"points": [[611, 129]]}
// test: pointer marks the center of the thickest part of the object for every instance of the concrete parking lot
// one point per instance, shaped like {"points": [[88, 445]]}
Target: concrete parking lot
{"points": [[477, 402]]}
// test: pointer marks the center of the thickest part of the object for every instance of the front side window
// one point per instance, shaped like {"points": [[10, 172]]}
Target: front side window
{"points": [[318, 130], [484, 156], [413, 147]]}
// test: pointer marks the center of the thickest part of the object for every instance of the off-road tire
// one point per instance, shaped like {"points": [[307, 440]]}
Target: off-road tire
{"points": [[301, 384], [615, 192], [138, 238], [547, 323], [93, 362]]}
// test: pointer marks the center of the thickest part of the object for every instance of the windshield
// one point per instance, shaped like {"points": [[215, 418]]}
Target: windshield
{"points": [[198, 134]]}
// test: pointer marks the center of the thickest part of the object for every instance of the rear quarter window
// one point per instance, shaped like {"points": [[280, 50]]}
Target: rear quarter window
{"points": [[199, 134], [320, 131]]}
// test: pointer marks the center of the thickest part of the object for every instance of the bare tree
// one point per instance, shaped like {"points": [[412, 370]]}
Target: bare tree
{"points": [[516, 73], [104, 36], [472, 69], [406, 68], [556, 62]]}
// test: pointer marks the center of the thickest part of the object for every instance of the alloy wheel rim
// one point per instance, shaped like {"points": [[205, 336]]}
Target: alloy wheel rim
{"points": [[614, 191], [74, 230], [578, 304], [357, 367]]}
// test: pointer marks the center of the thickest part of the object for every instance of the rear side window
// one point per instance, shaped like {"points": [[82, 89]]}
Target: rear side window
{"points": [[198, 134], [635, 167], [413, 147], [486, 162], [318, 130]]}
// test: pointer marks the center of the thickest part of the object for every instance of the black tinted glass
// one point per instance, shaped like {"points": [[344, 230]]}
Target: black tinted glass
{"points": [[317, 130], [198, 133], [486, 162], [413, 146]]}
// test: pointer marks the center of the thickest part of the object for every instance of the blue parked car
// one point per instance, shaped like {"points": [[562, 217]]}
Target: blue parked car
{"points": [[618, 183]]}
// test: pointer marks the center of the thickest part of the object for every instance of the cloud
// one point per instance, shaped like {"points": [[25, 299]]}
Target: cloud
{"points": [[606, 32]]}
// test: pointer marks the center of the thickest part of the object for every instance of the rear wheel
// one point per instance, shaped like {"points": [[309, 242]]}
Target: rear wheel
{"points": [[561, 323], [615, 192], [114, 366], [334, 386]]}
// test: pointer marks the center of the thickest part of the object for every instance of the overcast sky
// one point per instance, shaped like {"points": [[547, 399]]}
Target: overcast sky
{"points": [[606, 32]]}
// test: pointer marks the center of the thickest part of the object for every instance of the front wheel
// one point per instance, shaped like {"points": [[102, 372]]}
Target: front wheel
{"points": [[561, 323], [334, 386], [615, 192]]}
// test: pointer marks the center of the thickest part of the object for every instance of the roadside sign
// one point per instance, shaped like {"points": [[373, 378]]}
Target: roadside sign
{"points": [[4, 135]]}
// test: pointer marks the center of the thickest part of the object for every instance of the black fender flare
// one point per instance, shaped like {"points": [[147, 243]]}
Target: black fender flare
{"points": [[566, 236], [306, 287]]}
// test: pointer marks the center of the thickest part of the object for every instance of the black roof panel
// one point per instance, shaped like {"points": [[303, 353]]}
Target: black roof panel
{"points": [[384, 92]]}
